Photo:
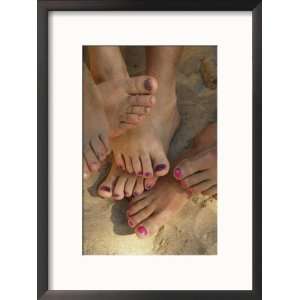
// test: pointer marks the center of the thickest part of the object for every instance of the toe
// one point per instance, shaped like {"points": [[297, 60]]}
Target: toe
{"points": [[92, 160], [142, 214], [151, 225], [106, 187], [129, 186], [141, 85], [203, 186], [118, 190], [137, 166], [147, 166], [128, 164], [99, 148], [138, 205], [142, 101], [161, 164], [138, 110], [86, 170], [139, 187], [132, 118], [149, 183], [211, 191], [194, 179], [120, 161]]}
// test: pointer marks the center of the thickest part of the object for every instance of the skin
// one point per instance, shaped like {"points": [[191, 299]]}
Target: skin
{"points": [[119, 184], [143, 149], [148, 212], [126, 101], [197, 170]]}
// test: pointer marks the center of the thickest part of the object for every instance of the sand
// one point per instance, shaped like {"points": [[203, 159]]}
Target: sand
{"points": [[194, 230]]}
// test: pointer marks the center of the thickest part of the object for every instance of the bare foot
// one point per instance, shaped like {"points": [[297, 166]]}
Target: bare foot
{"points": [[148, 212], [109, 110], [119, 184], [142, 150], [197, 172]]}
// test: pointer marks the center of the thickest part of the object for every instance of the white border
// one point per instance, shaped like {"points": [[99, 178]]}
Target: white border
{"points": [[232, 267]]}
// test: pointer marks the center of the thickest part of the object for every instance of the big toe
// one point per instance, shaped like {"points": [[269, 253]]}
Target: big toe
{"points": [[141, 85], [161, 164], [150, 226]]}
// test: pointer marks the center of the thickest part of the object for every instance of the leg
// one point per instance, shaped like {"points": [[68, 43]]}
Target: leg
{"points": [[107, 63], [144, 148]]}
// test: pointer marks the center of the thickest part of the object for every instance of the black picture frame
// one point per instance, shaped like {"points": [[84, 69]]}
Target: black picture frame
{"points": [[134, 5]]}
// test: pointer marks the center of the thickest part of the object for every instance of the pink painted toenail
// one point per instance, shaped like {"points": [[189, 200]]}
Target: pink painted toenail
{"points": [[105, 188], [148, 174], [142, 230], [130, 223], [177, 173], [148, 85], [160, 167]]}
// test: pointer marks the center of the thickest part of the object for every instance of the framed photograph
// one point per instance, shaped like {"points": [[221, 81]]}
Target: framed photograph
{"points": [[149, 150]]}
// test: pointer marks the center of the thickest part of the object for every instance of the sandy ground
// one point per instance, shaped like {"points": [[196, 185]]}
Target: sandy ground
{"points": [[194, 229]]}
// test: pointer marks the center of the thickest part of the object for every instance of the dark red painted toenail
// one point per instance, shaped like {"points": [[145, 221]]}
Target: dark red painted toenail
{"points": [[148, 85], [140, 173], [160, 167], [142, 230], [130, 223], [148, 174], [105, 188], [177, 173]]}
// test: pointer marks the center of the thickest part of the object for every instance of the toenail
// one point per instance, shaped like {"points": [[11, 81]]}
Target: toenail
{"points": [[130, 223], [177, 173], [142, 230], [140, 173], [126, 194], [105, 188], [148, 174], [160, 167], [148, 187], [148, 85], [135, 194]]}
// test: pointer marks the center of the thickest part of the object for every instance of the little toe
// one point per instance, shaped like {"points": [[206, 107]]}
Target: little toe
{"points": [[141, 85], [139, 187], [92, 160], [203, 186], [142, 214], [161, 164], [194, 179], [106, 187], [147, 166], [137, 166], [149, 183], [118, 190], [212, 191], [129, 186]]}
